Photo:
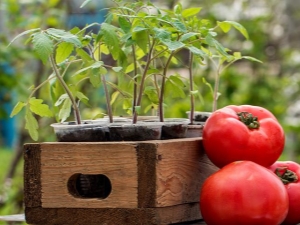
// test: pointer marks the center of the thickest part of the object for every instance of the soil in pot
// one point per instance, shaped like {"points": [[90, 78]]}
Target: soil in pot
{"points": [[173, 128], [135, 132], [86, 132]]}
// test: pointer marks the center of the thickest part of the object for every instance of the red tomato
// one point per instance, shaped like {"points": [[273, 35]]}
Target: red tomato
{"points": [[289, 173], [243, 193], [243, 133]]}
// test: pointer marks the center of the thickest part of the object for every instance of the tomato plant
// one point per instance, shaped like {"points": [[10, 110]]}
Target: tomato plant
{"points": [[243, 193], [243, 132], [289, 173]]}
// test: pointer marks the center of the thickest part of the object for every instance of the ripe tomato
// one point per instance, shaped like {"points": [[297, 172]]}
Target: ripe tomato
{"points": [[243, 193], [243, 132], [289, 173]]}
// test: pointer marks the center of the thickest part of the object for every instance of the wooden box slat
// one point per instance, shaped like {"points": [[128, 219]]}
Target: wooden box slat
{"points": [[153, 181]]}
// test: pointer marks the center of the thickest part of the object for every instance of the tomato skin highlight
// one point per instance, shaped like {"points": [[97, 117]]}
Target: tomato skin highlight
{"points": [[293, 190], [226, 139], [243, 193]]}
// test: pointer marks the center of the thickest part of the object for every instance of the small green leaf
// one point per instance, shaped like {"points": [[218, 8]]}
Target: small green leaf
{"points": [[179, 26], [42, 45], [36, 106], [237, 55], [187, 36], [65, 110], [95, 78], [64, 36], [83, 54], [63, 51], [31, 125], [82, 97], [190, 12], [141, 39], [117, 69], [162, 34], [173, 45], [151, 93], [61, 99], [114, 97], [111, 39], [252, 59], [197, 51], [226, 24], [18, 107], [124, 24], [24, 33]]}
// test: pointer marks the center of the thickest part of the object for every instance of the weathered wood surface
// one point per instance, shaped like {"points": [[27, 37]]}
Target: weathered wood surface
{"points": [[153, 181], [21, 218]]}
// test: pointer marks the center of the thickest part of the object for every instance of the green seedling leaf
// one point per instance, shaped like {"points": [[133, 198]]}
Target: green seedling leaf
{"points": [[114, 97], [36, 106], [124, 24], [151, 93], [42, 45], [141, 39], [83, 54], [31, 125], [197, 51], [24, 33], [18, 107], [117, 69], [226, 25], [190, 12], [61, 99], [188, 36], [63, 51], [64, 36], [111, 39], [179, 26], [173, 45], [95, 78], [175, 87], [65, 110], [162, 34], [82, 97], [252, 59]]}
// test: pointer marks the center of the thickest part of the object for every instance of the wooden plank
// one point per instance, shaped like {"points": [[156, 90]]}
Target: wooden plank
{"points": [[110, 216], [117, 161], [32, 175], [181, 169]]}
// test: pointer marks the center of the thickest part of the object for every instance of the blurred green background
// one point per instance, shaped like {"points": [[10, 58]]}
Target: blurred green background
{"points": [[274, 31]]}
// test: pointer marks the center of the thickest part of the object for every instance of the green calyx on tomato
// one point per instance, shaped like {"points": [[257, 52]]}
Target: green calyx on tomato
{"points": [[286, 176], [249, 120]]}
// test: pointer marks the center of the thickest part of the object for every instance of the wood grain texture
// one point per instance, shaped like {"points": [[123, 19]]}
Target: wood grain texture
{"points": [[116, 161], [32, 175], [109, 216], [181, 170], [153, 182]]}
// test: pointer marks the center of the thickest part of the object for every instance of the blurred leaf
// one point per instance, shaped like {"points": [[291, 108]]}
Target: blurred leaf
{"points": [[63, 51], [18, 107], [190, 12], [31, 125], [42, 45], [65, 110], [36, 106]]}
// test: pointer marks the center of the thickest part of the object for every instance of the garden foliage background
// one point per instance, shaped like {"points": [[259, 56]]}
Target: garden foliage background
{"points": [[274, 31]]}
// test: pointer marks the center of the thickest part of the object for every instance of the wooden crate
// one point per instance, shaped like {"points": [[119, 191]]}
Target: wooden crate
{"points": [[151, 182]]}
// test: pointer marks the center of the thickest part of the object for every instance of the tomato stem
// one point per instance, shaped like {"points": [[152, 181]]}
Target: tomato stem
{"points": [[249, 120], [286, 176]]}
